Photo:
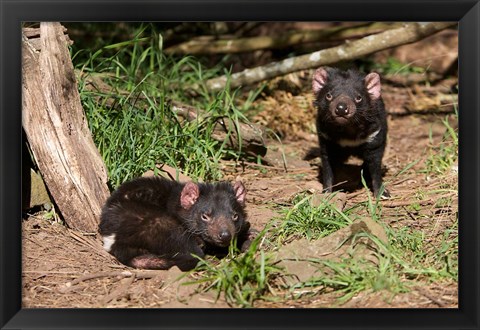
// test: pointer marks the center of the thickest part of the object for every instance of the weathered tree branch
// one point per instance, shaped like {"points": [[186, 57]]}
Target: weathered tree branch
{"points": [[209, 45], [58, 132], [409, 33]]}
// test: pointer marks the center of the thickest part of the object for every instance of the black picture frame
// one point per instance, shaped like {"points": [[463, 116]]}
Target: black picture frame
{"points": [[13, 12]]}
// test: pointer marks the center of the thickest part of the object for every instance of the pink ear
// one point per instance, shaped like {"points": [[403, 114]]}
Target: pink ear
{"points": [[372, 83], [319, 79], [240, 192], [189, 195]]}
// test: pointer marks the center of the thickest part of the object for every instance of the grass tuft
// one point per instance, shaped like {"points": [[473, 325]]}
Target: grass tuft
{"points": [[393, 266], [241, 278], [132, 121], [443, 157], [305, 219]]}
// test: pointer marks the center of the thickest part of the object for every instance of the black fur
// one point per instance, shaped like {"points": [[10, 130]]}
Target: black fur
{"points": [[153, 230], [349, 110]]}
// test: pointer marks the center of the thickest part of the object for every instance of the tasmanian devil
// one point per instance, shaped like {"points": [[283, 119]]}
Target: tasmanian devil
{"points": [[155, 223], [351, 120]]}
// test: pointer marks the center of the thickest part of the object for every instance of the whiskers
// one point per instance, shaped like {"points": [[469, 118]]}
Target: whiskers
{"points": [[194, 231]]}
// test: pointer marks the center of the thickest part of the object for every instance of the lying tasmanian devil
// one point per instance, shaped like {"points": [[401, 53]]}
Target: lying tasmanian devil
{"points": [[156, 223], [351, 120]]}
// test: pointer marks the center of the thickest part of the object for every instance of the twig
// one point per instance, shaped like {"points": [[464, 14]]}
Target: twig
{"points": [[406, 203], [119, 291], [69, 286], [402, 180], [430, 297], [98, 275], [270, 167], [47, 272], [90, 243]]}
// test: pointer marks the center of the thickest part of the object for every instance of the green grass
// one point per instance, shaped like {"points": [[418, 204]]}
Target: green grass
{"points": [[304, 219], [443, 156], [133, 122], [350, 276], [399, 265], [316, 216], [392, 66], [408, 257], [241, 278], [420, 259]]}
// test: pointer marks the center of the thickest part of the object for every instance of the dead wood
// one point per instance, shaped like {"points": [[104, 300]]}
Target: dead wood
{"points": [[408, 33], [147, 274], [394, 204], [430, 296], [33, 35], [119, 291], [211, 45], [87, 277], [246, 27], [57, 130]]}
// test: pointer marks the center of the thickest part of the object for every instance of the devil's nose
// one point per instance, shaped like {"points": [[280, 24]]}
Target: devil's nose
{"points": [[225, 236], [341, 109]]}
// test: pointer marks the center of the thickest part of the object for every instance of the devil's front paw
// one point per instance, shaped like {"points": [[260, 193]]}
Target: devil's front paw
{"points": [[249, 237], [200, 242]]}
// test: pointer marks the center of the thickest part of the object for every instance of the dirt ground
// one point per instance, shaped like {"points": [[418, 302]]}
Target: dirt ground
{"points": [[65, 268]]}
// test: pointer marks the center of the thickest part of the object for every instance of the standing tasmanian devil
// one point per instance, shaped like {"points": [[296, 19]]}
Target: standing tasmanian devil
{"points": [[155, 223], [351, 120]]}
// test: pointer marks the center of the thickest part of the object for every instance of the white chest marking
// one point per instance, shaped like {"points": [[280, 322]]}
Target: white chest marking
{"points": [[108, 242], [356, 143]]}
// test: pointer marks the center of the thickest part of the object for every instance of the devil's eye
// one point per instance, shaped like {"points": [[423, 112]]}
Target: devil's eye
{"points": [[329, 96], [358, 99], [235, 216], [205, 217]]}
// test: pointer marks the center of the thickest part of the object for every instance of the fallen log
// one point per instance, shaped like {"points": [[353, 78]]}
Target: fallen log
{"points": [[408, 33], [211, 45]]}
